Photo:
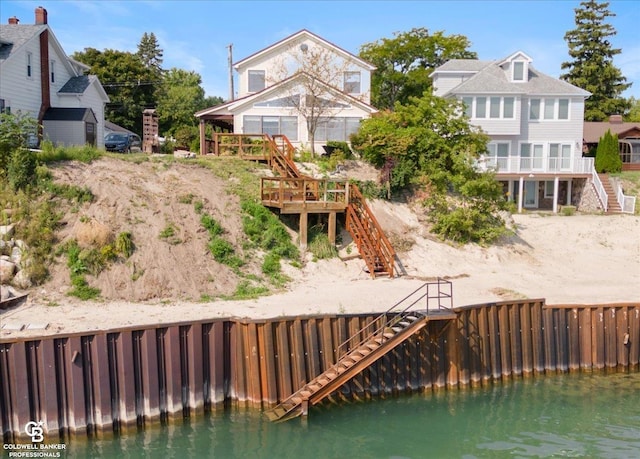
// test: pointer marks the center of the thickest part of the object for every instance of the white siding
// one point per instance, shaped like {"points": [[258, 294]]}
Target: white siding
{"points": [[279, 63], [443, 82], [90, 99], [20, 92]]}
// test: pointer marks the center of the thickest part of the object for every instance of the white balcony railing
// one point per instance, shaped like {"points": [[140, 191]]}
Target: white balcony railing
{"points": [[522, 164]]}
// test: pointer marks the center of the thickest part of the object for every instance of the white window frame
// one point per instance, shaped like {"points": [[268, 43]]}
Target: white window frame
{"points": [[483, 105], [549, 110], [52, 71], [568, 106], [498, 155], [468, 106], [560, 153], [548, 193], [537, 103], [251, 73], [513, 108], [346, 82], [515, 74], [534, 156]]}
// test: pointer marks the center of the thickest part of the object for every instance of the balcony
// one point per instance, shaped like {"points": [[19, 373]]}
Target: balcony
{"points": [[540, 165]]}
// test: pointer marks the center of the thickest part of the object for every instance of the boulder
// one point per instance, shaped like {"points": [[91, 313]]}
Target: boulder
{"points": [[7, 270], [6, 231], [22, 280], [16, 255]]}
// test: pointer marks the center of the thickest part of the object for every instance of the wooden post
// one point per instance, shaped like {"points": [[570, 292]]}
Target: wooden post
{"points": [[303, 229], [203, 140], [332, 227]]}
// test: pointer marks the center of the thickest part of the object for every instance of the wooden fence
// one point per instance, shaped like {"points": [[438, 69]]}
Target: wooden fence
{"points": [[105, 381]]}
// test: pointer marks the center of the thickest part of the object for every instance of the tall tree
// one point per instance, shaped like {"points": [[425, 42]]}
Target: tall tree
{"points": [[129, 84], [180, 97], [150, 52], [634, 111], [591, 67], [404, 63]]}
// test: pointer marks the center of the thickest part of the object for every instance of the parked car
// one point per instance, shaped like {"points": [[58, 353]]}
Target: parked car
{"points": [[122, 142]]}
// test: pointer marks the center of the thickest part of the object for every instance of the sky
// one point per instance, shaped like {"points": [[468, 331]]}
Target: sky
{"points": [[195, 34]]}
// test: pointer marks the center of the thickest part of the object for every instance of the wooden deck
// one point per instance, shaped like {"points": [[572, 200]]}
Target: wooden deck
{"points": [[297, 195]]}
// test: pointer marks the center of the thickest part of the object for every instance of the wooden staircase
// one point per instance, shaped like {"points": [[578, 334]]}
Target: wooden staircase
{"points": [[613, 207], [281, 157], [373, 245], [370, 344]]}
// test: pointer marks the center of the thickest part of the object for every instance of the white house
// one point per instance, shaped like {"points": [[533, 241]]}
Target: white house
{"points": [[39, 79], [279, 85], [535, 123]]}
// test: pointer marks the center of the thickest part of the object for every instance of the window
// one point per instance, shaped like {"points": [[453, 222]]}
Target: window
{"points": [[352, 82], [287, 125], [534, 109], [494, 107], [548, 188], [531, 156], [29, 57], [481, 107], [499, 155], [549, 109], [508, 110], [518, 71], [293, 101], [336, 128], [563, 109], [468, 106], [256, 80], [559, 156], [53, 71]]}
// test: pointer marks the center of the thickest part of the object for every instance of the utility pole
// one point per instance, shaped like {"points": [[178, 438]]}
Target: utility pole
{"points": [[231, 92]]}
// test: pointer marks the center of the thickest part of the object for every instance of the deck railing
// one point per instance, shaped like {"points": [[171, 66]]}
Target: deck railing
{"points": [[627, 203], [599, 187], [520, 164], [281, 190]]}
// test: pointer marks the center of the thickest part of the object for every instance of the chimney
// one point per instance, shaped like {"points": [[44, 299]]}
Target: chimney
{"points": [[41, 16], [14, 20], [615, 119]]}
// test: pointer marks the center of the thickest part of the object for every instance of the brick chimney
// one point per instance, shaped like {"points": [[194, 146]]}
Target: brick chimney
{"points": [[41, 16], [14, 20], [615, 119]]}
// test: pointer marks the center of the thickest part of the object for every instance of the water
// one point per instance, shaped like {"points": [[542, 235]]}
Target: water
{"points": [[596, 416]]}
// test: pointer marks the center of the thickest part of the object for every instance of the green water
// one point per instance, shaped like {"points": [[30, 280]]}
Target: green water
{"points": [[596, 416]]}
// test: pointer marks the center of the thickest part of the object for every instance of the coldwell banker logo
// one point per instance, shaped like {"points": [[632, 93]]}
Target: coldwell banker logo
{"points": [[36, 448], [35, 431]]}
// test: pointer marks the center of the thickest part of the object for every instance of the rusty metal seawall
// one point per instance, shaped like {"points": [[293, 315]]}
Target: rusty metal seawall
{"points": [[94, 383]]}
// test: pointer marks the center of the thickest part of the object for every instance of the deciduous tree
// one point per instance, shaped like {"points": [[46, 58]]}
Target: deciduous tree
{"points": [[591, 67], [404, 63]]}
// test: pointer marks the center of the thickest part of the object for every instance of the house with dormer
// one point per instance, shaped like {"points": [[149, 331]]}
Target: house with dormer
{"points": [[535, 123], [299, 81], [40, 80]]}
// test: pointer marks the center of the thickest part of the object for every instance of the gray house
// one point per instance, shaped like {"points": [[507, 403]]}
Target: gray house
{"points": [[535, 123]]}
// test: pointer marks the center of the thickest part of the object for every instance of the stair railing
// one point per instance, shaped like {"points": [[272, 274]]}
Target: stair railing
{"points": [[380, 243], [599, 187], [392, 316]]}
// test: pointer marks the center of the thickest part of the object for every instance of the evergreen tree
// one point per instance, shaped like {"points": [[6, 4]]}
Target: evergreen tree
{"points": [[607, 155], [150, 52], [592, 66]]}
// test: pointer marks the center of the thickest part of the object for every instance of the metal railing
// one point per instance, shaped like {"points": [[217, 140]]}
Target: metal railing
{"points": [[412, 303]]}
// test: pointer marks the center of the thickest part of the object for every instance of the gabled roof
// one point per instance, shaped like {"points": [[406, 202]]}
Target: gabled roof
{"points": [[490, 78], [69, 114], [302, 34], [79, 84], [236, 104], [14, 36], [19, 34]]}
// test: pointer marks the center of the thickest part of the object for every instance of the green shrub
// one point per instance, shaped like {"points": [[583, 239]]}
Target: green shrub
{"points": [[319, 244], [168, 232], [271, 264], [245, 291], [198, 206], [21, 169], [211, 225], [124, 244], [266, 231], [223, 252]]}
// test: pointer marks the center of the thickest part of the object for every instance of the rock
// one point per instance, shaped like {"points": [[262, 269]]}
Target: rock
{"points": [[7, 270], [21, 280], [7, 292], [6, 231], [21, 244], [16, 255]]}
